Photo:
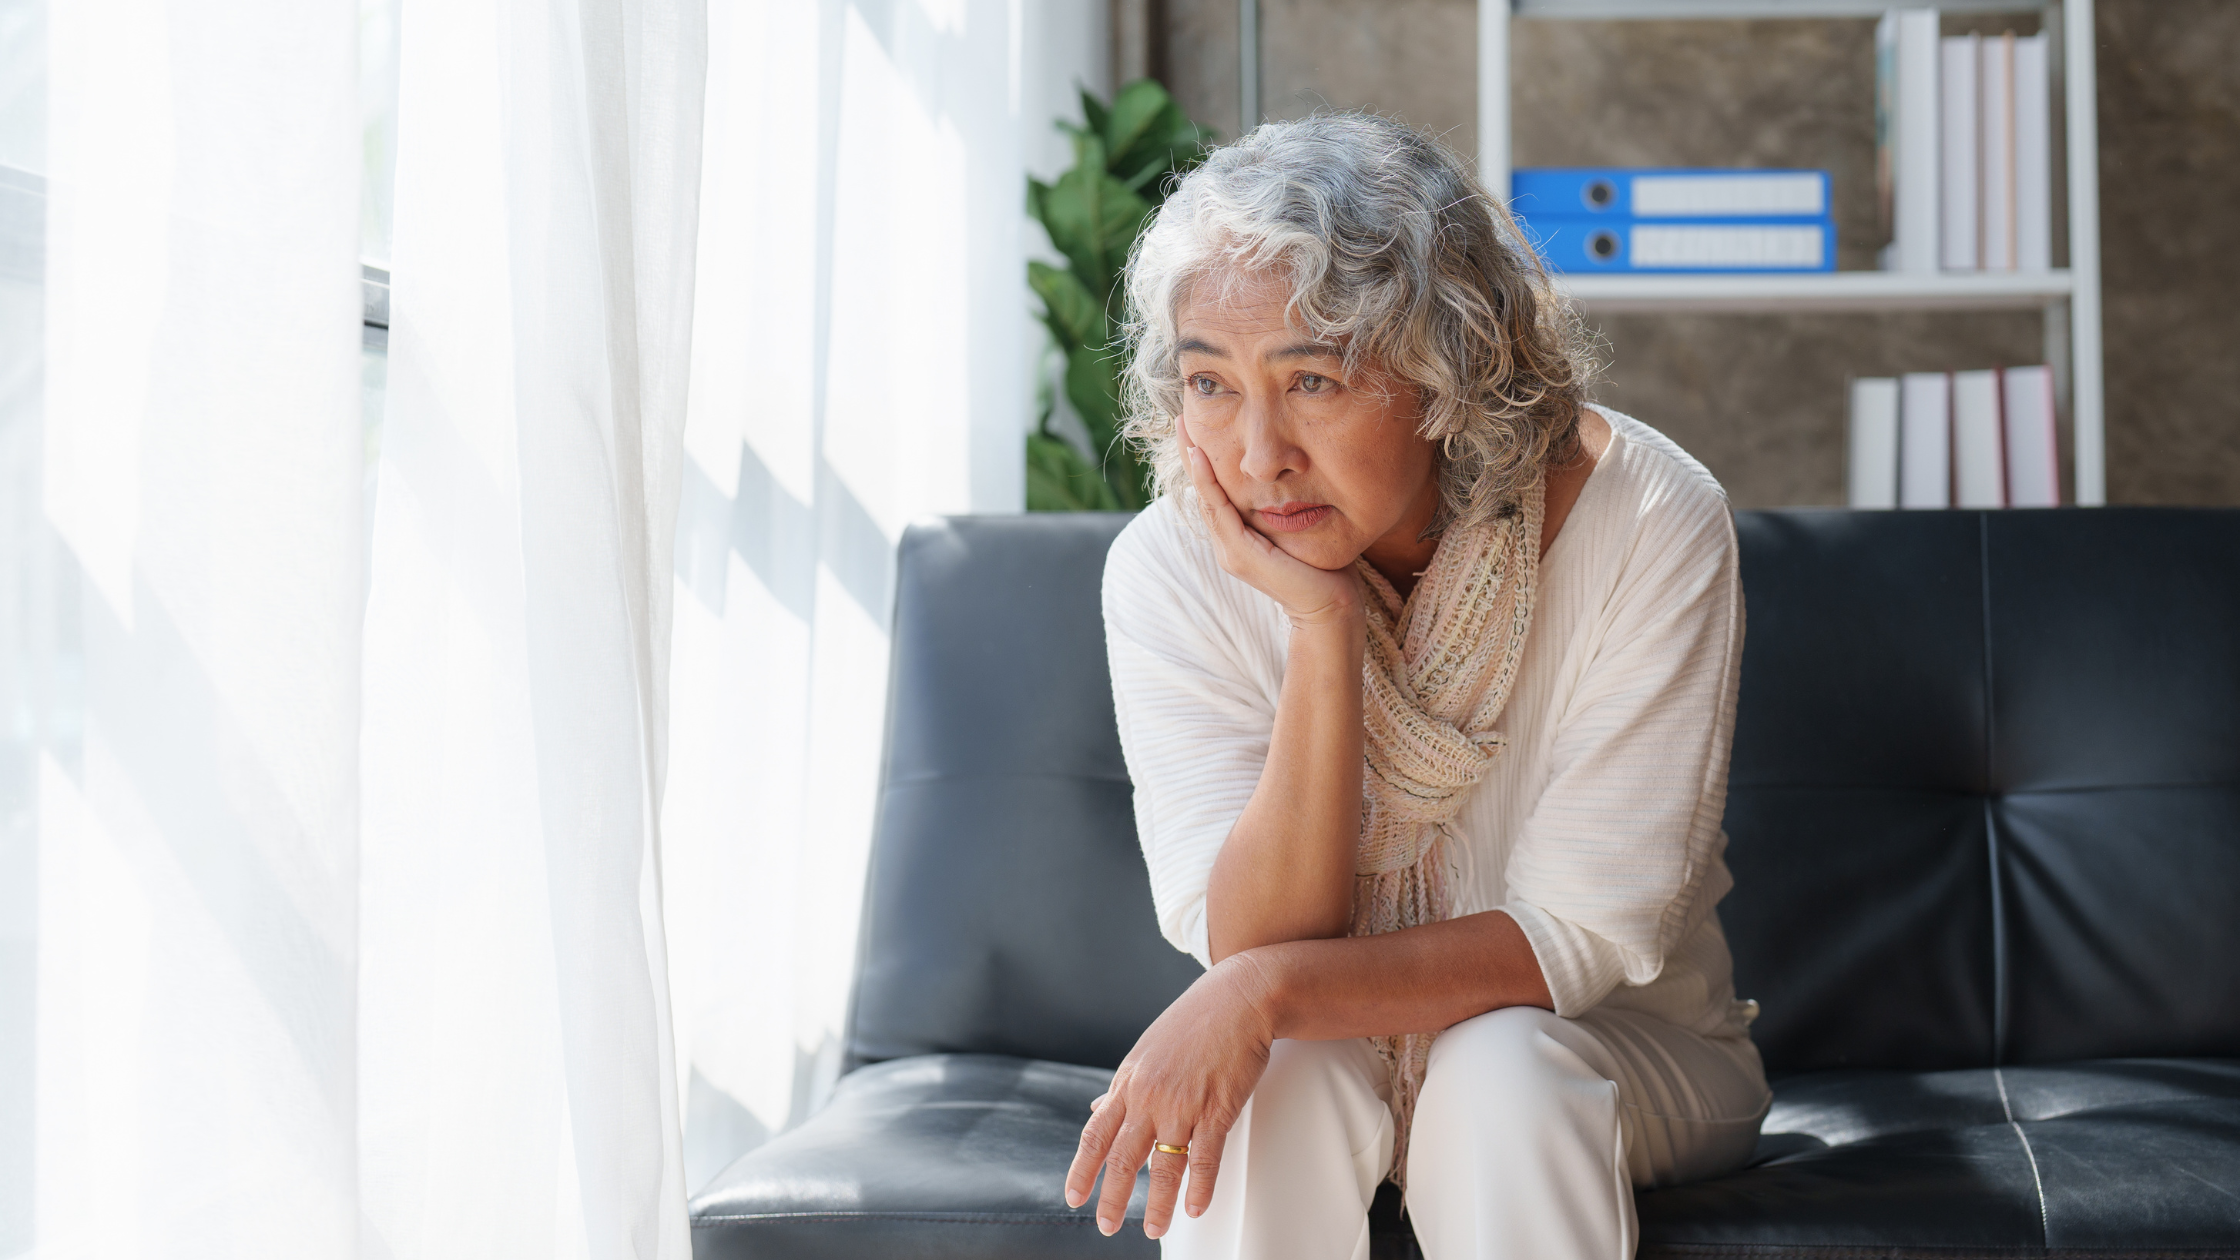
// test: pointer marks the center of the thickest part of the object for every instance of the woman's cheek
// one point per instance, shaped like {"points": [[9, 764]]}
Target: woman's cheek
{"points": [[1222, 451]]}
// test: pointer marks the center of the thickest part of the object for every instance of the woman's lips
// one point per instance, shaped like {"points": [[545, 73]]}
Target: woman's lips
{"points": [[1291, 518]]}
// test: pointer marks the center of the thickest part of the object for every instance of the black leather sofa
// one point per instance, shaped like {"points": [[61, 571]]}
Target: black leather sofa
{"points": [[1984, 822]]}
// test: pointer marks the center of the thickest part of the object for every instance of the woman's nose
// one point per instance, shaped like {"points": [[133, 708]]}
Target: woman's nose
{"points": [[1269, 452]]}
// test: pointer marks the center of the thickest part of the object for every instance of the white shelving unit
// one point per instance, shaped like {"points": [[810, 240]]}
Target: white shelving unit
{"points": [[2070, 299]]}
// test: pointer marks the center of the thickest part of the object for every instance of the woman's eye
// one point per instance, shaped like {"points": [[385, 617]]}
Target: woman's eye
{"points": [[1314, 384], [1205, 386]]}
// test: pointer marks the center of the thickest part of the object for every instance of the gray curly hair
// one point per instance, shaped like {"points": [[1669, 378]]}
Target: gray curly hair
{"points": [[1393, 252]]}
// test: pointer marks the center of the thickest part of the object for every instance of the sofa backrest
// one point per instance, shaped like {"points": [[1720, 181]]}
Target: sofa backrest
{"points": [[1984, 804], [1007, 909]]}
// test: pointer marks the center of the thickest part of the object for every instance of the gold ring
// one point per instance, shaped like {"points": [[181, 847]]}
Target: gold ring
{"points": [[1171, 1150]]}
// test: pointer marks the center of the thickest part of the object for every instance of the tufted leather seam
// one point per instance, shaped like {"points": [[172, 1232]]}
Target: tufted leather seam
{"points": [[2045, 1227], [1998, 939], [2125, 1106], [1990, 824]]}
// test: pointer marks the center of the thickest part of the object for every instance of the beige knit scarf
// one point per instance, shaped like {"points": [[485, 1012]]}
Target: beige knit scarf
{"points": [[1436, 677]]}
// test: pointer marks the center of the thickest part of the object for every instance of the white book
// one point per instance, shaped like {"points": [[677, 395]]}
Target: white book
{"points": [[1925, 440], [1958, 141], [1995, 154], [1907, 44], [2033, 156], [1873, 470], [1979, 462], [2033, 453]]}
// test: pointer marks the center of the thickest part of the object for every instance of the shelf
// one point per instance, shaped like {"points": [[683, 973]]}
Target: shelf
{"points": [[1819, 291], [2069, 299], [1757, 8]]}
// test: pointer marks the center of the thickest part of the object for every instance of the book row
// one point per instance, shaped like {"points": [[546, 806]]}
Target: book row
{"points": [[1955, 439], [1964, 166]]}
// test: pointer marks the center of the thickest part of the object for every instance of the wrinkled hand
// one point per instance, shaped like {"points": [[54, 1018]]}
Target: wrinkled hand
{"points": [[1183, 1084], [1310, 596]]}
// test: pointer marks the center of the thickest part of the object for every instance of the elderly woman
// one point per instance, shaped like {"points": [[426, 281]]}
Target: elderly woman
{"points": [[1425, 671]]}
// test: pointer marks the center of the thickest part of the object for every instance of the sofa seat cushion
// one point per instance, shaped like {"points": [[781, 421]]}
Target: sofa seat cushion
{"points": [[929, 1157], [2121, 1157]]}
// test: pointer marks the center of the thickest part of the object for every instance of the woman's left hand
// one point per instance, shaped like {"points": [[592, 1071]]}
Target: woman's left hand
{"points": [[1183, 1085]]}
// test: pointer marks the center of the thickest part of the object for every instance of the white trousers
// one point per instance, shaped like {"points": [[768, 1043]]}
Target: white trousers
{"points": [[1531, 1134]]}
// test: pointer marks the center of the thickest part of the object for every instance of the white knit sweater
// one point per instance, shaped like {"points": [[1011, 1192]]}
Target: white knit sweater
{"points": [[1598, 828]]}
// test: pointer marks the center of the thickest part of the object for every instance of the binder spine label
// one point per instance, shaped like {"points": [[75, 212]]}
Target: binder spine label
{"points": [[1619, 192], [1785, 247], [1771, 194], [1584, 246]]}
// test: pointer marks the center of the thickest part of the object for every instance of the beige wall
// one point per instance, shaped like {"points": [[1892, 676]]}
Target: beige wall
{"points": [[1760, 399]]}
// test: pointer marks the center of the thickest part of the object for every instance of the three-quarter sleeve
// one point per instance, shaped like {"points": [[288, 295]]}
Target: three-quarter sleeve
{"points": [[1194, 685], [1618, 859]]}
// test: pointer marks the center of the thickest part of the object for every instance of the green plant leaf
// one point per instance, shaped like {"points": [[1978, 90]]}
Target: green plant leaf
{"points": [[1172, 144], [1129, 479], [1075, 318], [1144, 176], [1088, 152], [1094, 113], [1159, 128], [1093, 218], [1073, 215], [1174, 133], [1059, 480], [1093, 214], [1093, 387], [1136, 109]]}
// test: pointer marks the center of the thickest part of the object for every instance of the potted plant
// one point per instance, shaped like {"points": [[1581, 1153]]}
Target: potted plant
{"points": [[1125, 156]]}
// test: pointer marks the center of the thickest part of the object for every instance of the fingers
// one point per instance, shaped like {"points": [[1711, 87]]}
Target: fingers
{"points": [[1166, 1180], [1205, 1165], [1204, 482], [1202, 1163], [1235, 541], [1222, 517], [1129, 1147], [1096, 1140]]}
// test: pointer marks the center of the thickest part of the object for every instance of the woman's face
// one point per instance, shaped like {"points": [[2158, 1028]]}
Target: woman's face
{"points": [[1325, 465]]}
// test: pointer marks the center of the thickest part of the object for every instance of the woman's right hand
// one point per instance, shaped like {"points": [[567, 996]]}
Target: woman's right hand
{"points": [[1308, 595], [1182, 1086]]}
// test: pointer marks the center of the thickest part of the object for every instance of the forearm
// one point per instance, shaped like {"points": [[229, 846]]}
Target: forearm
{"points": [[1420, 979], [1285, 872]]}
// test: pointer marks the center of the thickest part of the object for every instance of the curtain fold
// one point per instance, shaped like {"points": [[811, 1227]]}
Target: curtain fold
{"points": [[861, 358], [350, 854], [513, 1032], [192, 718]]}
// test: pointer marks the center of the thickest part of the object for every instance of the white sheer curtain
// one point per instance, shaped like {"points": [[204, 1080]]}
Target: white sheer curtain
{"points": [[195, 644], [333, 911], [862, 356], [515, 1088], [257, 1026]]}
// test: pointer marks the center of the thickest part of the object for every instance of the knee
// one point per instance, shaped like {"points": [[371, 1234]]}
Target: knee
{"points": [[1511, 1069], [1306, 1070], [1511, 1040], [1320, 1114]]}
